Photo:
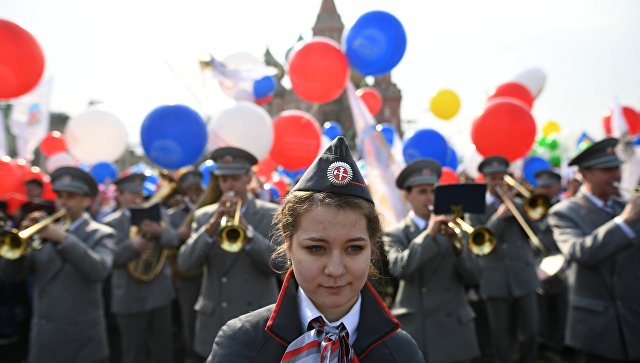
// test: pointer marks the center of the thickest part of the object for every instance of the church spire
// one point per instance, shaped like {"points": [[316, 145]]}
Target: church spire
{"points": [[328, 22]]}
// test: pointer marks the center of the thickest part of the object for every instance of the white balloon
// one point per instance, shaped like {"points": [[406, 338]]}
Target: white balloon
{"points": [[59, 160], [472, 160], [533, 79], [96, 135], [246, 126]]}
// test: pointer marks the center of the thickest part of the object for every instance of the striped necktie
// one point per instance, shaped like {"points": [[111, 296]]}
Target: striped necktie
{"points": [[322, 343]]}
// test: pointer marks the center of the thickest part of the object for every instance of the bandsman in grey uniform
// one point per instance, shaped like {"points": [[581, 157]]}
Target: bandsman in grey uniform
{"points": [[142, 308], [599, 234], [509, 280], [68, 323], [187, 285], [234, 283], [431, 304]]}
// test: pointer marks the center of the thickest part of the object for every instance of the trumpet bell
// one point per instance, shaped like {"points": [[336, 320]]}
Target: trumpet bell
{"points": [[232, 238], [13, 247], [482, 241], [537, 206]]}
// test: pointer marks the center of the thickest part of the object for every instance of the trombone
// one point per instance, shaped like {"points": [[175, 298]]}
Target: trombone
{"points": [[536, 206], [15, 243], [231, 234], [481, 240]]}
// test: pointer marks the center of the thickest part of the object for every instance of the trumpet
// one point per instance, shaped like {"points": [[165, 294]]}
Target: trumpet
{"points": [[231, 234], [536, 206], [15, 243], [481, 240], [629, 191]]}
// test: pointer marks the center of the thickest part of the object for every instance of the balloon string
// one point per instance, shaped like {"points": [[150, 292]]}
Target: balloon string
{"points": [[184, 84]]}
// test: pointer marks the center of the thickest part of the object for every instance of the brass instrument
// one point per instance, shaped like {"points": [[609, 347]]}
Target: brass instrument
{"points": [[151, 262], [630, 192], [536, 206], [231, 234], [480, 240], [550, 264], [16, 244]]}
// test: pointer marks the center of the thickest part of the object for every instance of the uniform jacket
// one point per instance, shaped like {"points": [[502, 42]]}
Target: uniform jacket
{"points": [[68, 323], [127, 294], [431, 303], [510, 269], [263, 335], [234, 283], [604, 278]]}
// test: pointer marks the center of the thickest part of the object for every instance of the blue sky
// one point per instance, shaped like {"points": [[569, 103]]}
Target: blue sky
{"points": [[117, 51]]}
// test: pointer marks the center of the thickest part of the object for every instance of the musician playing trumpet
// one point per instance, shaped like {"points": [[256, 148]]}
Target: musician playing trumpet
{"points": [[432, 272], [68, 323], [142, 307], [509, 280], [237, 256]]}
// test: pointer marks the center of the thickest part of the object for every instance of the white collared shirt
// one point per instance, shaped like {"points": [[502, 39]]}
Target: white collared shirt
{"points": [[419, 221], [77, 222], [491, 199], [601, 204], [308, 312]]}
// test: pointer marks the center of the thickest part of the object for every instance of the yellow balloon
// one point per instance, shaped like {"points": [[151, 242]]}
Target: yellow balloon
{"points": [[551, 127], [445, 104]]}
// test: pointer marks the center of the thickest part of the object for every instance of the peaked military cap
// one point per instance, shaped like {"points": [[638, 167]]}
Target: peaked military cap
{"points": [[232, 161], [131, 182], [600, 155], [189, 178], [335, 171], [493, 164], [72, 179], [418, 172], [547, 177]]}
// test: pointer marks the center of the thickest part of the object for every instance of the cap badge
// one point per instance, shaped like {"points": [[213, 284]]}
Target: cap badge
{"points": [[66, 178], [227, 159], [426, 172], [610, 151], [339, 173]]}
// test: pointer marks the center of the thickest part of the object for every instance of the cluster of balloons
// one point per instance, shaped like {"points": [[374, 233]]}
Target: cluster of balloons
{"points": [[15, 172], [246, 78], [319, 69], [21, 61]]}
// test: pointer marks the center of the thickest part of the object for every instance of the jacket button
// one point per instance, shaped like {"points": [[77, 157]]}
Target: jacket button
{"points": [[224, 280], [224, 304], [424, 290]]}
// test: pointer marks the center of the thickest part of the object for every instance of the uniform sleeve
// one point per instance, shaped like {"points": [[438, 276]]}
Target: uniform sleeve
{"points": [[468, 268], [168, 235], [406, 257], [260, 251], [403, 348], [238, 341], [16, 270], [589, 249], [193, 253], [93, 263]]}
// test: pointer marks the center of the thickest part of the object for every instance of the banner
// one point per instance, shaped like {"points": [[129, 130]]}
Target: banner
{"points": [[30, 119], [380, 163]]}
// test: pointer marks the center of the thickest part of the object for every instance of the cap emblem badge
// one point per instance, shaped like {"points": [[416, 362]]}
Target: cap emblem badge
{"points": [[339, 173]]}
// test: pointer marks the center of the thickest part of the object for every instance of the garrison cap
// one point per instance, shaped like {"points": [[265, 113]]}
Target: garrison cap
{"points": [[418, 172], [600, 155], [72, 179], [232, 161], [335, 171], [547, 177], [189, 178], [131, 182], [493, 164]]}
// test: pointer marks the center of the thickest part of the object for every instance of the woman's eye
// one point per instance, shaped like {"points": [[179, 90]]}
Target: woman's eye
{"points": [[315, 248], [355, 248]]}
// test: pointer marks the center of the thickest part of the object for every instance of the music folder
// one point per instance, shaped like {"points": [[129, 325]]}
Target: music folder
{"points": [[151, 213], [460, 198]]}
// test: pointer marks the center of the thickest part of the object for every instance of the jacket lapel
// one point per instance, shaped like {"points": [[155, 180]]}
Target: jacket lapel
{"points": [[410, 229]]}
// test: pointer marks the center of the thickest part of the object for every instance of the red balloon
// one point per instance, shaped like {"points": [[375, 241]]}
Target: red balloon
{"points": [[513, 90], [264, 100], [296, 139], [371, 98], [34, 173], [448, 176], [47, 190], [15, 201], [631, 117], [281, 185], [53, 143], [318, 70], [265, 167], [9, 181], [21, 60], [22, 169], [479, 178], [504, 128]]}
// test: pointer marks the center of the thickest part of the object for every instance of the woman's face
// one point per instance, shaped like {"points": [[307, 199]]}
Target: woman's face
{"points": [[330, 254]]}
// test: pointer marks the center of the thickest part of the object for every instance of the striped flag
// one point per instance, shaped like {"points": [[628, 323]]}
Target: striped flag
{"points": [[381, 164], [30, 119]]}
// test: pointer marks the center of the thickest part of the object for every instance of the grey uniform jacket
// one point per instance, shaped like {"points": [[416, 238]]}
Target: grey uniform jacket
{"points": [[68, 323], [234, 283], [510, 270], [431, 303], [604, 278], [127, 294]]}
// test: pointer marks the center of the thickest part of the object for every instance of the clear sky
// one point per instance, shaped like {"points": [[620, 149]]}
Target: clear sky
{"points": [[117, 51]]}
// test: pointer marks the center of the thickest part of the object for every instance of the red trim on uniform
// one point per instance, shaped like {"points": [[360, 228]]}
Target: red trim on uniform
{"points": [[386, 310], [276, 309], [356, 183]]}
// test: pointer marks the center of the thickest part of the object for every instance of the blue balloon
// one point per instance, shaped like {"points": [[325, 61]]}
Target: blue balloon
{"points": [[173, 136], [388, 132], [275, 194], [264, 87], [207, 168], [376, 43], [85, 167], [452, 159], [332, 129], [150, 184], [104, 171], [293, 175], [425, 143], [637, 141], [531, 165]]}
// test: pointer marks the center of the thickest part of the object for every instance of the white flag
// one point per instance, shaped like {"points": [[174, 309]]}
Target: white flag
{"points": [[30, 119], [619, 126]]}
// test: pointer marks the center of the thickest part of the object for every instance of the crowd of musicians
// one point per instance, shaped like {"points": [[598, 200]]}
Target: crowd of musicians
{"points": [[500, 272]]}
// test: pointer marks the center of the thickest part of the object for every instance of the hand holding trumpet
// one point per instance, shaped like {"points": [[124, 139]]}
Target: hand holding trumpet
{"points": [[52, 232], [226, 208]]}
